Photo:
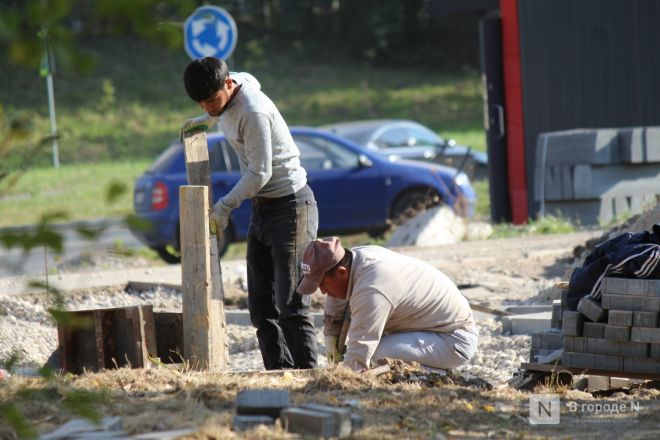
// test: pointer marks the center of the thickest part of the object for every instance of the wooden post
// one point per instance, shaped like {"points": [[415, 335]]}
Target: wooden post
{"points": [[203, 316]]}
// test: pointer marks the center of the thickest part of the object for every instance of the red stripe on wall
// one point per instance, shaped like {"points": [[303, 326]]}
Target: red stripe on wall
{"points": [[514, 111]]}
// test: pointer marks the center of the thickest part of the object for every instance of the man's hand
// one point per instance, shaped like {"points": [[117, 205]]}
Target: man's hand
{"points": [[331, 351], [220, 216], [197, 125]]}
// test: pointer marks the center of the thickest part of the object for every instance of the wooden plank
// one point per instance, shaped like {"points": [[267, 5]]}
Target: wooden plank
{"points": [[203, 313], [198, 170], [549, 368]]}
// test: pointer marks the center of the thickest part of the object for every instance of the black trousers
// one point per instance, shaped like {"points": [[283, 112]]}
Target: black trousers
{"points": [[280, 230]]}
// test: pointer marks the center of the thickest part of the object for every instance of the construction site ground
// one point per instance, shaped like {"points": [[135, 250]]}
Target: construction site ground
{"points": [[405, 402]]}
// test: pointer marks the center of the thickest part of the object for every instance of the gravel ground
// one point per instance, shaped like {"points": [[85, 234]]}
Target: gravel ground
{"points": [[28, 331]]}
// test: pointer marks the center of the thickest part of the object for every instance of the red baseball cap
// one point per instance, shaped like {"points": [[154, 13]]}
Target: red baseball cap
{"points": [[320, 256]]}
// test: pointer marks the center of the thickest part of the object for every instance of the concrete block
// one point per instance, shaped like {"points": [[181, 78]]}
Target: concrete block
{"points": [[572, 323], [645, 319], [631, 302], [308, 422], [526, 324], [357, 422], [617, 333], [592, 361], [631, 286], [526, 310], [535, 353], [624, 382], [593, 330], [575, 344], [243, 423], [564, 299], [645, 334], [342, 417], [592, 310], [617, 348], [597, 383], [547, 341], [654, 351], [566, 179], [555, 321], [641, 365], [582, 181], [262, 402], [620, 317], [631, 141], [652, 143], [581, 146]]}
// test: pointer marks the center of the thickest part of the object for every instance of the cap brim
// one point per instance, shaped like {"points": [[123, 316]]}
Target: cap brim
{"points": [[309, 284]]}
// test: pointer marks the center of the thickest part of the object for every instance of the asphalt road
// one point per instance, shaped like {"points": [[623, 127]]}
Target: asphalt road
{"points": [[13, 262]]}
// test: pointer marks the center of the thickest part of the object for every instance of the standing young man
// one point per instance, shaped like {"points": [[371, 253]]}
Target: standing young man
{"points": [[401, 307], [284, 214]]}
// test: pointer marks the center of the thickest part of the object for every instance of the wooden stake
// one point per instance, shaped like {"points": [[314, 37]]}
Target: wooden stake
{"points": [[199, 173]]}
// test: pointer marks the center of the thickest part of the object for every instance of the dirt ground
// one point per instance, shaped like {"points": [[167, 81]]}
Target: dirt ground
{"points": [[403, 403]]}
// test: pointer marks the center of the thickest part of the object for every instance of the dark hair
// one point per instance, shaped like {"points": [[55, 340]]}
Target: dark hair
{"points": [[346, 261], [204, 77]]}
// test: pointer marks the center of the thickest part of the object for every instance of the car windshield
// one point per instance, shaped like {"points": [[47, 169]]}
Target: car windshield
{"points": [[164, 162]]}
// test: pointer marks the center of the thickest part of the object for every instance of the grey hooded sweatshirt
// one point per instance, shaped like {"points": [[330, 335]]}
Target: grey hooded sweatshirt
{"points": [[268, 157]]}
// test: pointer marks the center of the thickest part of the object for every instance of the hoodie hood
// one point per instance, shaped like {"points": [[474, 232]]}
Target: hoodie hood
{"points": [[244, 78]]}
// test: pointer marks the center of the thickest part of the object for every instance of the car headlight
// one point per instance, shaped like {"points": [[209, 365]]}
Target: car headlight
{"points": [[462, 179]]}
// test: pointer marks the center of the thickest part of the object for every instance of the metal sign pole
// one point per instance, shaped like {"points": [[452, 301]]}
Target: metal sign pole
{"points": [[53, 122]]}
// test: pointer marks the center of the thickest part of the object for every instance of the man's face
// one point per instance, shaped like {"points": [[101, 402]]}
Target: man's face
{"points": [[335, 285], [217, 102]]}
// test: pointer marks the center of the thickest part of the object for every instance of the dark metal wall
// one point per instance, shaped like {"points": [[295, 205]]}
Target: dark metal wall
{"points": [[587, 64]]}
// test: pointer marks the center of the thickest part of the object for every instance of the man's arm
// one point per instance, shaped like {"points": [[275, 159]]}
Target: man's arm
{"points": [[259, 150], [370, 311]]}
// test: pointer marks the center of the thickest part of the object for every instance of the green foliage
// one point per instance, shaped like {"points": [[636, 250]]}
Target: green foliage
{"points": [[16, 420], [541, 226]]}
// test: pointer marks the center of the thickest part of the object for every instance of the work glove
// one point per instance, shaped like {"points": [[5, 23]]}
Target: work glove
{"points": [[331, 351], [197, 125], [220, 216]]}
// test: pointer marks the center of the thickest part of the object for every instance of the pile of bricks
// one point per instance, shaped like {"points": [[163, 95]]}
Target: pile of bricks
{"points": [[263, 407], [622, 334]]}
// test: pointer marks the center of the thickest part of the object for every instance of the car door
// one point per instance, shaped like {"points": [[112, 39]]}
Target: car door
{"points": [[350, 193]]}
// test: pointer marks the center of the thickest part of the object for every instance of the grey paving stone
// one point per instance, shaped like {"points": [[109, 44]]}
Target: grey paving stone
{"points": [[645, 319], [652, 142], [645, 334], [620, 317], [342, 417], [593, 330], [631, 286], [243, 423], [555, 321], [308, 422], [572, 323], [631, 141], [617, 333], [617, 348], [636, 303], [592, 361], [654, 351], [641, 365], [262, 402], [547, 341], [592, 310], [575, 344]]}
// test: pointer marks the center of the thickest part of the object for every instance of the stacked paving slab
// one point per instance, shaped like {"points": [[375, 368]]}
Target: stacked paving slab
{"points": [[263, 407], [621, 334], [594, 175]]}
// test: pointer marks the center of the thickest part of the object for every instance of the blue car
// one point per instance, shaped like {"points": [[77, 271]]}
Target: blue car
{"points": [[357, 190]]}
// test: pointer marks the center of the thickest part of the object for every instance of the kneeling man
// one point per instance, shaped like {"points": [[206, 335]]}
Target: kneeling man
{"points": [[400, 307]]}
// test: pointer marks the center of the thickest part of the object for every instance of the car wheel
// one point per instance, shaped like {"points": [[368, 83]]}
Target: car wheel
{"points": [[411, 203], [169, 254]]}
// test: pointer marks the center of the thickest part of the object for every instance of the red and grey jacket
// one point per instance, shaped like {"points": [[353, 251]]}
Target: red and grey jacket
{"points": [[626, 256]]}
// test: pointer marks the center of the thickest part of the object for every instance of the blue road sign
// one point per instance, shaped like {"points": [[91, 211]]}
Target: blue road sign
{"points": [[210, 32]]}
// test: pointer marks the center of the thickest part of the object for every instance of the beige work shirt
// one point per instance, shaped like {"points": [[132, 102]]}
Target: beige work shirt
{"points": [[392, 293]]}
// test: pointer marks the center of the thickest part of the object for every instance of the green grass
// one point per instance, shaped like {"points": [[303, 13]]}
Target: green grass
{"points": [[81, 192]]}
